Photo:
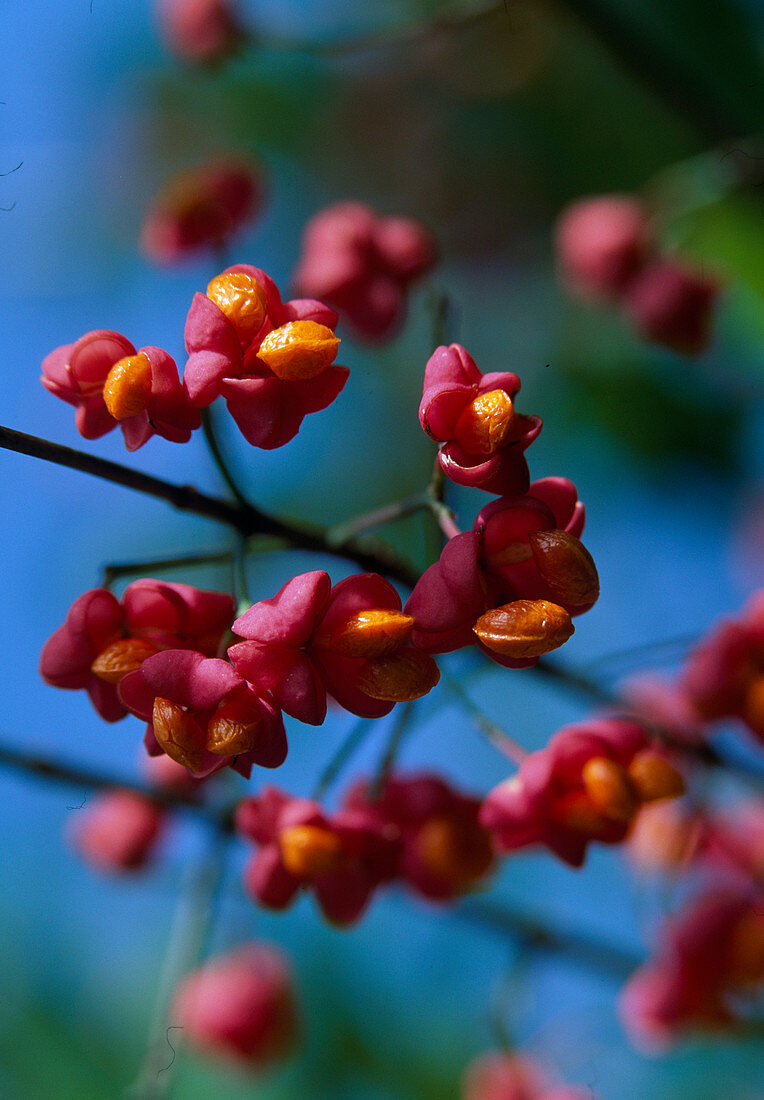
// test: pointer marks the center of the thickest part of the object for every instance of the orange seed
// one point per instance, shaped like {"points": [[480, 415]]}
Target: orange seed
{"points": [[298, 350], [567, 567], [121, 657], [234, 728], [609, 788], [181, 737], [371, 633], [457, 851], [399, 677], [653, 777], [524, 628], [486, 423], [127, 389], [243, 301]]}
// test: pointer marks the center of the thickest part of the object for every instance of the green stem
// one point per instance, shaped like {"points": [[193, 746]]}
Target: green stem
{"points": [[339, 536], [347, 747], [397, 735], [190, 930], [208, 428], [498, 737], [146, 567]]}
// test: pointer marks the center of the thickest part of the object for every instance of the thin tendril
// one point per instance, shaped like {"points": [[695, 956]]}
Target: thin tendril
{"points": [[399, 730], [208, 428], [347, 748], [498, 737]]}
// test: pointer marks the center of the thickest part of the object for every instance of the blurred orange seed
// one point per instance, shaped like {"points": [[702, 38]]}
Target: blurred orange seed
{"points": [[609, 788], [310, 850], [653, 777]]}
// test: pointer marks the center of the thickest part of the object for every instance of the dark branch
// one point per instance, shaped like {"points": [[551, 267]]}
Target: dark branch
{"points": [[246, 519]]}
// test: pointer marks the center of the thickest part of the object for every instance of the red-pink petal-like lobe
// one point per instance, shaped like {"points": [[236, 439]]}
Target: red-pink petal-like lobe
{"points": [[171, 613], [723, 674], [272, 748], [443, 851], [259, 818], [117, 831], [367, 855], [505, 526], [269, 411], [267, 880], [451, 380], [339, 674], [287, 673], [214, 349], [661, 702], [92, 357], [76, 373], [56, 378], [504, 473], [93, 622], [448, 598], [361, 592], [343, 898], [308, 309], [169, 408], [671, 304], [239, 1007], [406, 247], [692, 983], [189, 678], [602, 244], [290, 617], [561, 497]]}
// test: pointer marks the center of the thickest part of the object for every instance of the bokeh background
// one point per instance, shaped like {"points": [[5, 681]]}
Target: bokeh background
{"points": [[483, 133]]}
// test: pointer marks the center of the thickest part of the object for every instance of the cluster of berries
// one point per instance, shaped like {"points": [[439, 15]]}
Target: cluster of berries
{"points": [[722, 678], [272, 362], [607, 252]]}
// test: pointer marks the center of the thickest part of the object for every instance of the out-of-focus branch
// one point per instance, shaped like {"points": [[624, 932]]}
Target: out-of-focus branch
{"points": [[580, 948], [74, 775]]}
